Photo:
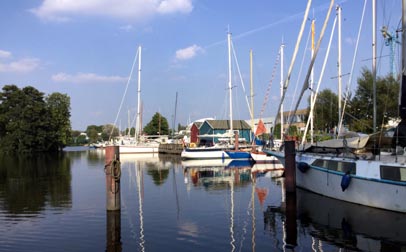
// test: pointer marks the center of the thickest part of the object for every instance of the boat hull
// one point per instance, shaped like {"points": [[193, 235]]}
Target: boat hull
{"points": [[203, 153], [261, 157], [365, 187], [134, 149]]}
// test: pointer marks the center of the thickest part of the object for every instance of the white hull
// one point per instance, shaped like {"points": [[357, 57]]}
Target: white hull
{"points": [[262, 157], [203, 153], [366, 186], [134, 149]]}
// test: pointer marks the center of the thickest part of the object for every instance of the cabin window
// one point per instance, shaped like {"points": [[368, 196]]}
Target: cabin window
{"points": [[335, 165], [393, 173]]}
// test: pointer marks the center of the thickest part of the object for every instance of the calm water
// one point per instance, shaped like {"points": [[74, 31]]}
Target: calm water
{"points": [[59, 204]]}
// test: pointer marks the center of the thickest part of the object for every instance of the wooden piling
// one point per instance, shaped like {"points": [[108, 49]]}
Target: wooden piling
{"points": [[290, 167], [112, 169]]}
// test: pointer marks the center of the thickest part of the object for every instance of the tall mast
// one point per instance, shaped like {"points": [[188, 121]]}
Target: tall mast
{"points": [[229, 81], [338, 9], [402, 106], [252, 92], [311, 84], [374, 63], [281, 111], [138, 125]]}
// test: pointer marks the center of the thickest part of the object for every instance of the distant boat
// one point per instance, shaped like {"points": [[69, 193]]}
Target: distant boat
{"points": [[216, 152], [140, 144]]}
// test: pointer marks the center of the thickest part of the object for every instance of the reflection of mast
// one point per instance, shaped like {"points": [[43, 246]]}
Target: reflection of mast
{"points": [[176, 192], [232, 216], [140, 188], [253, 211]]}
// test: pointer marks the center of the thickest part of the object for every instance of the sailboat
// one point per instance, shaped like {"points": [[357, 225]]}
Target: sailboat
{"points": [[140, 144], [372, 179], [218, 151]]}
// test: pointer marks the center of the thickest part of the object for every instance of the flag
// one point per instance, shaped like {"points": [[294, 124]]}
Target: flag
{"points": [[260, 128]]}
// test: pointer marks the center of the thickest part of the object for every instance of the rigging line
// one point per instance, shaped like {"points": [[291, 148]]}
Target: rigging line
{"points": [[300, 73], [313, 102], [352, 68], [287, 80], [125, 92], [266, 98], [305, 83], [242, 82]]}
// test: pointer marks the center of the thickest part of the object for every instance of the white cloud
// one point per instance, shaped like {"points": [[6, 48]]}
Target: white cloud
{"points": [[20, 66], [87, 78], [188, 53], [170, 6], [64, 10], [4, 54], [126, 28]]}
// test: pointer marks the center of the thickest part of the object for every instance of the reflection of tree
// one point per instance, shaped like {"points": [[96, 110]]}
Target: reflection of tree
{"points": [[159, 176], [28, 185]]}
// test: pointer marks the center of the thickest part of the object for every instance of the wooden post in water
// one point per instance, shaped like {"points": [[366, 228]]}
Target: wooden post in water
{"points": [[113, 231], [112, 169], [290, 189], [290, 167]]}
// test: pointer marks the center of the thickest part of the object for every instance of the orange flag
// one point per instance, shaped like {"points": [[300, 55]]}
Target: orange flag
{"points": [[260, 128]]}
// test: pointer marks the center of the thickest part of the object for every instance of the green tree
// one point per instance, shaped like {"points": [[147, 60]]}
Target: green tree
{"points": [[92, 132], [27, 122], [360, 108], [157, 126], [109, 129], [58, 106], [325, 111]]}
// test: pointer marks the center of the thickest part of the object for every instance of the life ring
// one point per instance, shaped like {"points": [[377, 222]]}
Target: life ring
{"points": [[192, 145], [303, 167]]}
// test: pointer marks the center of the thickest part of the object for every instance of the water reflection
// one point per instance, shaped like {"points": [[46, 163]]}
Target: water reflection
{"points": [[28, 185], [349, 225]]}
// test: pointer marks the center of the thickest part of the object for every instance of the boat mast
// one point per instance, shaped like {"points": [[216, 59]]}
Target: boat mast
{"points": [[138, 124], [338, 9], [287, 80], [251, 93], [229, 82], [311, 84], [281, 111], [374, 63], [402, 102]]}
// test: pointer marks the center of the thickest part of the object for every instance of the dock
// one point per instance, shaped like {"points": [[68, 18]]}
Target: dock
{"points": [[170, 148]]}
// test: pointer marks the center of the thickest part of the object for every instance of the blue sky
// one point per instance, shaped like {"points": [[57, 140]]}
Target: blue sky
{"points": [[85, 49]]}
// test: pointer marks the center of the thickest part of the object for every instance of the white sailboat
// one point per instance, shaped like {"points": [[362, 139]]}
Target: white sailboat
{"points": [[217, 151], [140, 144], [371, 179]]}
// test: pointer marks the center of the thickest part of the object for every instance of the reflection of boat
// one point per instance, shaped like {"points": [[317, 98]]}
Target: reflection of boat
{"points": [[350, 225], [205, 163], [131, 158], [214, 163], [275, 170]]}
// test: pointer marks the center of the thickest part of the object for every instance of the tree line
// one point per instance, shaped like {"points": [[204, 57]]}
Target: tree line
{"points": [[32, 122]]}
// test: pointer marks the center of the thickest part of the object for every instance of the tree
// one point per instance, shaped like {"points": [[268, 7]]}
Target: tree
{"points": [[109, 130], [157, 126], [360, 108], [29, 123], [58, 106], [325, 110]]}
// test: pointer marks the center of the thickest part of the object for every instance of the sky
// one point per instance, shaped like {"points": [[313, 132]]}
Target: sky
{"points": [[86, 49]]}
